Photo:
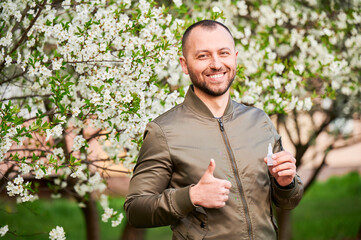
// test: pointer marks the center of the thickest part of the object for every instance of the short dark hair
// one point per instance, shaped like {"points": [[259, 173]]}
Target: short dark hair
{"points": [[209, 24]]}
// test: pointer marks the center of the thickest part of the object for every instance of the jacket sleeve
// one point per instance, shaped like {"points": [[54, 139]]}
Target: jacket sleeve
{"points": [[284, 197], [150, 201]]}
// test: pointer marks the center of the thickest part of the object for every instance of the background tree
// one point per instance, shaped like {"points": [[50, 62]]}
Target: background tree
{"points": [[301, 64], [76, 74]]}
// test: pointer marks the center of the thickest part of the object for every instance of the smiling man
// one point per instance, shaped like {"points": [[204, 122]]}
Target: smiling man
{"points": [[202, 167]]}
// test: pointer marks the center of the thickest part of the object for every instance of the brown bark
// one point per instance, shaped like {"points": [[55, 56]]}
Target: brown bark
{"points": [[91, 220], [359, 233], [284, 224], [132, 233]]}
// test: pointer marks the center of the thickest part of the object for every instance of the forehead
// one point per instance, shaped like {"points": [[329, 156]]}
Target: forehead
{"points": [[202, 38]]}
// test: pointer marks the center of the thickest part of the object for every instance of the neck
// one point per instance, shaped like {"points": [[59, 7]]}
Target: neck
{"points": [[216, 104]]}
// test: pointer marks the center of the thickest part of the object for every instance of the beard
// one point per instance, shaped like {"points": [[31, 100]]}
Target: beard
{"points": [[205, 87]]}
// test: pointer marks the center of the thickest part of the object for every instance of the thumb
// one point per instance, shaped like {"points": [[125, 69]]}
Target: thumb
{"points": [[211, 167]]}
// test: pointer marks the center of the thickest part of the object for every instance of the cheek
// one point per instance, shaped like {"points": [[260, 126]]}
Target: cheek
{"points": [[198, 69], [232, 66]]}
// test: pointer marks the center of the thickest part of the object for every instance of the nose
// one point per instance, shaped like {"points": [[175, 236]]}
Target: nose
{"points": [[215, 63]]}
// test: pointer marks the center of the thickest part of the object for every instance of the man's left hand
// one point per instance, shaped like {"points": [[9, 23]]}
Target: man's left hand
{"points": [[284, 167]]}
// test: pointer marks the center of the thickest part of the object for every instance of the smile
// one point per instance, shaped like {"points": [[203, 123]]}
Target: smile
{"points": [[216, 76]]}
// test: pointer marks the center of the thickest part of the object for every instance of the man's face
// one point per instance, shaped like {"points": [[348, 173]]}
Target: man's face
{"points": [[210, 60]]}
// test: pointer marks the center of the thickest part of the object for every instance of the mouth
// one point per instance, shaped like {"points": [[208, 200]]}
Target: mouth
{"points": [[216, 76]]}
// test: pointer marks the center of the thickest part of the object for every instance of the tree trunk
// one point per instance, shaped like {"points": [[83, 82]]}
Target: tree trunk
{"points": [[284, 224], [359, 233], [91, 220], [132, 233]]}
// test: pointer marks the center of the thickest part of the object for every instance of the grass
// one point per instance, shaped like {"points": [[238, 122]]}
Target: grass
{"points": [[329, 210]]}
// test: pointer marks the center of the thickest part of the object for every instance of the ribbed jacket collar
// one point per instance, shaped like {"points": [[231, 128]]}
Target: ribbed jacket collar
{"points": [[195, 103]]}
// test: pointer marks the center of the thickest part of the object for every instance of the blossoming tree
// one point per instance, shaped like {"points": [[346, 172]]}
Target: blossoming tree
{"points": [[79, 72], [74, 73], [301, 61]]}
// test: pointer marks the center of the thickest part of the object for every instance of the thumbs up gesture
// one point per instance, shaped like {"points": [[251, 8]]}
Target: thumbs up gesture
{"points": [[210, 192]]}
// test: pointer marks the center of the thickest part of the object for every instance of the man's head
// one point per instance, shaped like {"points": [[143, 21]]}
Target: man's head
{"points": [[209, 57]]}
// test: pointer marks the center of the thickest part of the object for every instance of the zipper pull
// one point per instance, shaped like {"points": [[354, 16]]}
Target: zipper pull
{"points": [[220, 124]]}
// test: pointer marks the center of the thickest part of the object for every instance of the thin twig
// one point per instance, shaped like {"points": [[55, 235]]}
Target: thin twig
{"points": [[111, 170], [27, 96], [25, 34]]}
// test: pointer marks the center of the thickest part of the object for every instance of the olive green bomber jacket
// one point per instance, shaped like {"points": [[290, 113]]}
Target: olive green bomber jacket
{"points": [[176, 151]]}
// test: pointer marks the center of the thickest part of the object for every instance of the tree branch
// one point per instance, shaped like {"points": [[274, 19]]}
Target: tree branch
{"points": [[25, 34], [96, 135], [30, 150], [48, 113], [287, 131], [323, 163], [13, 77], [94, 61], [108, 169], [297, 127], [5, 177], [28, 96], [318, 169]]}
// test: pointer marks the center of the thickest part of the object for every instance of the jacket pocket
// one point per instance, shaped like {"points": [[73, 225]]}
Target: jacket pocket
{"points": [[199, 225], [192, 227]]}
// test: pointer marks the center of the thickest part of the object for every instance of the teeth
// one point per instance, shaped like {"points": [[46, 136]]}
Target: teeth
{"points": [[216, 76]]}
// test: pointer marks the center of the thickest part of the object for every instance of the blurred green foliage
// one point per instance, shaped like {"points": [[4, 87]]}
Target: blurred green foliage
{"points": [[329, 210]]}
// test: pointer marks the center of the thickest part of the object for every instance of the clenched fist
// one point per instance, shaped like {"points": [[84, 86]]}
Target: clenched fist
{"points": [[210, 192], [284, 167]]}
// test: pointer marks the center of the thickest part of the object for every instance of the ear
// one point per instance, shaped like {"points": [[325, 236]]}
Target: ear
{"points": [[183, 63]]}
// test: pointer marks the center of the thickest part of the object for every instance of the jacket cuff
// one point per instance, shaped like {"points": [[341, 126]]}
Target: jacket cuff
{"points": [[284, 192], [182, 201]]}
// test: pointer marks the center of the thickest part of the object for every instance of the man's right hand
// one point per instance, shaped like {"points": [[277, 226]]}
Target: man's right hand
{"points": [[210, 192]]}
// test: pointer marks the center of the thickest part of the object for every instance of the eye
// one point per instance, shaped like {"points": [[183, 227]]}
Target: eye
{"points": [[201, 56], [225, 53]]}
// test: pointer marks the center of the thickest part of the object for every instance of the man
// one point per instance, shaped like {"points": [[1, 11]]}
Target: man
{"points": [[202, 167]]}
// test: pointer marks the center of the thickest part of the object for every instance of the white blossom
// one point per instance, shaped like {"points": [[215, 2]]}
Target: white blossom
{"points": [[79, 142], [300, 68], [177, 3], [54, 132], [326, 103], [277, 82], [18, 180], [118, 220], [108, 213], [57, 233], [307, 104], [57, 63], [216, 9], [279, 67], [4, 230], [104, 201], [242, 8], [343, 125]]}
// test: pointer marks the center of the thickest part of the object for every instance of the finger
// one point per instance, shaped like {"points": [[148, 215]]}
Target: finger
{"points": [[226, 191], [227, 184], [280, 154], [284, 166], [211, 167], [283, 159], [288, 172], [221, 204], [225, 198]]}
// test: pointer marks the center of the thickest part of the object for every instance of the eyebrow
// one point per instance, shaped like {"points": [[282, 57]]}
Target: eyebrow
{"points": [[204, 50]]}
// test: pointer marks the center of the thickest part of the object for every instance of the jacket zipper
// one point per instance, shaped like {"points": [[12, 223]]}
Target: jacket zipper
{"points": [[236, 175]]}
